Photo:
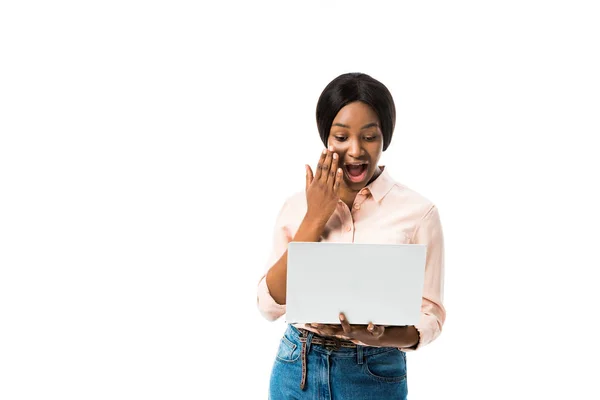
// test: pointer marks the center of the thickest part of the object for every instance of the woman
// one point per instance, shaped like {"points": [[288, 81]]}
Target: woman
{"points": [[351, 198]]}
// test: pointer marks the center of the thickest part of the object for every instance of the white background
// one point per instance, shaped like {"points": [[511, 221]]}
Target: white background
{"points": [[146, 148]]}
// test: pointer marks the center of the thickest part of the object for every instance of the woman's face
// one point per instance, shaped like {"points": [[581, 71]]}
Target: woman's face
{"points": [[356, 136]]}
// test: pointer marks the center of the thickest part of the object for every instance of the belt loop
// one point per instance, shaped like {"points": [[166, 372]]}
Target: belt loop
{"points": [[309, 340], [359, 354]]}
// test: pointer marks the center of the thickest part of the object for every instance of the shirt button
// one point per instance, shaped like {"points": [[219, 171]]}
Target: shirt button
{"points": [[348, 228], [357, 206], [364, 192]]}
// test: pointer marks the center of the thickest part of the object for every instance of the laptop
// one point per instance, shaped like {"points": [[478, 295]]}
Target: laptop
{"points": [[378, 283]]}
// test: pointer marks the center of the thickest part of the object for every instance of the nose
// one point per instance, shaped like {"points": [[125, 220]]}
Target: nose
{"points": [[354, 148]]}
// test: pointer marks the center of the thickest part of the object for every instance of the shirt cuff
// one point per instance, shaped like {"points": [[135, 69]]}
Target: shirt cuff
{"points": [[267, 306], [427, 329]]}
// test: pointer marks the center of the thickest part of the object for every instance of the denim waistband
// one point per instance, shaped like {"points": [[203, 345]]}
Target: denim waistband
{"points": [[293, 335]]}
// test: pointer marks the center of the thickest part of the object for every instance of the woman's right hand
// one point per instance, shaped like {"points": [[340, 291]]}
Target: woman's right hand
{"points": [[322, 190]]}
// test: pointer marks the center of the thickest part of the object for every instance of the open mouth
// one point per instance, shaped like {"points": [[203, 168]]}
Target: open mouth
{"points": [[356, 172]]}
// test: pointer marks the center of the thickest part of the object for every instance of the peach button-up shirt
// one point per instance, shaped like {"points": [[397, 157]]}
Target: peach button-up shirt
{"points": [[384, 211]]}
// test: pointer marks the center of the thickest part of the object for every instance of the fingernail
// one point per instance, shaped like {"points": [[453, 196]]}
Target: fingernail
{"points": [[335, 156], [342, 317], [330, 148], [325, 151]]}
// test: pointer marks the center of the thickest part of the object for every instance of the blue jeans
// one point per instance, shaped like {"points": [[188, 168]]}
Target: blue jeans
{"points": [[359, 373]]}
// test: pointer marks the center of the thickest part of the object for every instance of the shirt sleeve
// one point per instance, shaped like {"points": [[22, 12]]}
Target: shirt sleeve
{"points": [[433, 313], [281, 237]]}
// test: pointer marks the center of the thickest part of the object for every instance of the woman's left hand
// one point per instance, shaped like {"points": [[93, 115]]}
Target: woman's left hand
{"points": [[367, 334]]}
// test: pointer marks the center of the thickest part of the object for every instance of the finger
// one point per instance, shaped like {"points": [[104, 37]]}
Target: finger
{"points": [[375, 330], [309, 176], [345, 324], [338, 181], [320, 164], [325, 167], [333, 169]]}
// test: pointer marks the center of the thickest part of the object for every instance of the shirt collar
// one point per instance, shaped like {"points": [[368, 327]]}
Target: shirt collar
{"points": [[381, 186]]}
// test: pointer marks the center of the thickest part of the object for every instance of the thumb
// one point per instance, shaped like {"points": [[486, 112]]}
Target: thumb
{"points": [[309, 175]]}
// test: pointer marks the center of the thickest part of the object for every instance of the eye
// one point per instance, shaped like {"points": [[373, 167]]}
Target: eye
{"points": [[370, 138], [340, 138]]}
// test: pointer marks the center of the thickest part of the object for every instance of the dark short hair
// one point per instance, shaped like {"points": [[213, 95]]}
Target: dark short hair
{"points": [[351, 87]]}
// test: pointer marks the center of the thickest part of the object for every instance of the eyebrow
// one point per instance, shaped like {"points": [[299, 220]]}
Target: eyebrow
{"points": [[370, 125]]}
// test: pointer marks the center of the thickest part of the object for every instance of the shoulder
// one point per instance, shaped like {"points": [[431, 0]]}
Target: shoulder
{"points": [[417, 208], [401, 195]]}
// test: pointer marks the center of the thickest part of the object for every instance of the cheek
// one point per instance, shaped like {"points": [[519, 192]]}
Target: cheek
{"points": [[337, 147], [375, 151]]}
